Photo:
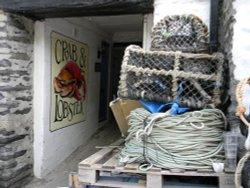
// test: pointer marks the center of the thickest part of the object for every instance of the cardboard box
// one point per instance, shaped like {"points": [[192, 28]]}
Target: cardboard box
{"points": [[121, 109]]}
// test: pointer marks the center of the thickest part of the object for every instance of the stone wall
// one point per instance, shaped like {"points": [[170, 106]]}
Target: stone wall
{"points": [[16, 116], [241, 39], [226, 32]]}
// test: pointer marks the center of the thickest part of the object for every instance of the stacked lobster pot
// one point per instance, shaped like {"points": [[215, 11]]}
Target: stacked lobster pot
{"points": [[177, 70], [157, 75]]}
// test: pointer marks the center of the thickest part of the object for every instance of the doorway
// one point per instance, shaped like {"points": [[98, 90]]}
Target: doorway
{"points": [[117, 54], [104, 79]]}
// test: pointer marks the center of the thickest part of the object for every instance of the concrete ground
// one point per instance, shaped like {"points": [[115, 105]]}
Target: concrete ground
{"points": [[59, 177]]}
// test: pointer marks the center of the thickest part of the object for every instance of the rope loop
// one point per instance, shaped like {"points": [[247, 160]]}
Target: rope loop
{"points": [[145, 167], [197, 127]]}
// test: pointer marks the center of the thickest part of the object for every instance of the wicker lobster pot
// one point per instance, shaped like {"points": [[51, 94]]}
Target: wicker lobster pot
{"points": [[186, 33], [194, 80]]}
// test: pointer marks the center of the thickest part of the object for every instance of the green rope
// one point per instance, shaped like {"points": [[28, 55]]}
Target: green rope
{"points": [[189, 141]]}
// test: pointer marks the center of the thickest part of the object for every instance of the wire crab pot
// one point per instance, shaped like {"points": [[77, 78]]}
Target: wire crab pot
{"points": [[195, 80], [186, 33]]}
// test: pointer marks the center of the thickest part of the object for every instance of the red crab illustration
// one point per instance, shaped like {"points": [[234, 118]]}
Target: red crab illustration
{"points": [[69, 81]]}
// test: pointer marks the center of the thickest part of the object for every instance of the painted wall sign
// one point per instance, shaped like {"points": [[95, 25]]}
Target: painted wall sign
{"points": [[69, 63]]}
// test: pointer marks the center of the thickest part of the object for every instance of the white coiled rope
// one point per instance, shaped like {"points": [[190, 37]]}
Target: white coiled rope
{"points": [[189, 141]]}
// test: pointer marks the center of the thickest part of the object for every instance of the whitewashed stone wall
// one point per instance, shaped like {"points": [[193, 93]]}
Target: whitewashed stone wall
{"points": [[235, 43], [226, 32], [200, 8], [16, 116], [241, 39]]}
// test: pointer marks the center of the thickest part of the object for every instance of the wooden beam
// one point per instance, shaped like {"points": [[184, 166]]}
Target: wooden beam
{"points": [[40, 9]]}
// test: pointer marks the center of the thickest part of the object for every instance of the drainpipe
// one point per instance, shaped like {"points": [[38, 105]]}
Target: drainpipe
{"points": [[214, 21]]}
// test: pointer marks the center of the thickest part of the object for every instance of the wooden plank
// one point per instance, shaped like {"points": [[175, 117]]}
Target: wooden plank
{"points": [[99, 155], [226, 180], [90, 169], [205, 170], [88, 175], [40, 9], [95, 157], [177, 170], [187, 186], [190, 173], [112, 163], [74, 181], [132, 166], [155, 169], [108, 183], [154, 181]]}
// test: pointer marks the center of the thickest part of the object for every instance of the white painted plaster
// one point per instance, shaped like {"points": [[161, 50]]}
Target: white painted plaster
{"points": [[147, 30], [200, 8], [39, 99], [51, 148], [241, 40], [162, 8], [127, 36]]}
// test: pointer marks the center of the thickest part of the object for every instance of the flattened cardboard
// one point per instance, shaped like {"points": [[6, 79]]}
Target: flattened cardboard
{"points": [[121, 109]]}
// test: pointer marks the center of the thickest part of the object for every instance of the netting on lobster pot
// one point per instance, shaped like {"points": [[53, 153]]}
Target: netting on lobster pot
{"points": [[186, 33], [195, 80]]}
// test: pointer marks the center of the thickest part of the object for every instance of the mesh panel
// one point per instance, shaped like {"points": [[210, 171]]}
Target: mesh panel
{"points": [[153, 62], [203, 66], [193, 79], [198, 92], [158, 62], [186, 33], [149, 86]]}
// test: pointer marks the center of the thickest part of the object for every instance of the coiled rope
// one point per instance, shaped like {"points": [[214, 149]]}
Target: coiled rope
{"points": [[238, 172], [189, 141], [243, 104]]}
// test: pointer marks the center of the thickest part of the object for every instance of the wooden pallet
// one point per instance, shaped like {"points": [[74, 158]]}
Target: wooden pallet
{"points": [[105, 162]]}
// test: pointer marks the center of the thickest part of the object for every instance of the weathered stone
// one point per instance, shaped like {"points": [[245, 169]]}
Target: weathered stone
{"points": [[6, 133], [18, 181], [19, 87], [1, 96], [24, 98], [21, 56], [6, 149], [3, 17], [5, 63], [25, 78], [16, 36], [14, 21], [8, 164], [25, 40], [10, 138], [226, 30], [5, 112], [10, 105], [9, 72], [23, 111], [11, 155], [3, 34], [5, 79], [5, 45], [9, 174]]}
